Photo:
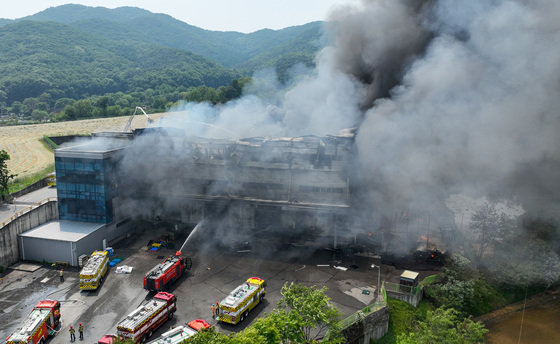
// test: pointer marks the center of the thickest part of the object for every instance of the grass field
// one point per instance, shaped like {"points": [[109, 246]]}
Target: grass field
{"points": [[28, 156]]}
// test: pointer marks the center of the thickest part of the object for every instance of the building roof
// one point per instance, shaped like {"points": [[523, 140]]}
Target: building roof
{"points": [[63, 230], [411, 275], [96, 148]]}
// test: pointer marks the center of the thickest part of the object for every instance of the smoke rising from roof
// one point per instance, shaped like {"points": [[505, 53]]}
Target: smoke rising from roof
{"points": [[478, 112], [448, 97]]}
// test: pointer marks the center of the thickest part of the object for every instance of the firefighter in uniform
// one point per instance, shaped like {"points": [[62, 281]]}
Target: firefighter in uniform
{"points": [[213, 309], [81, 330], [72, 334], [61, 274]]}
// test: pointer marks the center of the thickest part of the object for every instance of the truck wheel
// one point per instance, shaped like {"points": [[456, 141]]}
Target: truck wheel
{"points": [[149, 334], [170, 315], [241, 319], [246, 314]]}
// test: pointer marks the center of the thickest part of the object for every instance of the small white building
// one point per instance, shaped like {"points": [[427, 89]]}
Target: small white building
{"points": [[61, 241]]}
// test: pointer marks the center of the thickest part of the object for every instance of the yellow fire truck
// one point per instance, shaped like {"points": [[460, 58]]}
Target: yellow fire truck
{"points": [[93, 272], [236, 306]]}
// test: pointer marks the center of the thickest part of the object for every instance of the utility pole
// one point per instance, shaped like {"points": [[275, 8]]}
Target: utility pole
{"points": [[373, 266]]}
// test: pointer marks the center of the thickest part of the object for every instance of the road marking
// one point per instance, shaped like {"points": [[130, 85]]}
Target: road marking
{"points": [[44, 280]]}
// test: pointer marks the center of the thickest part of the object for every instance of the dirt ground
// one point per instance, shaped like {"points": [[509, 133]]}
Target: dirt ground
{"points": [[28, 155], [534, 321]]}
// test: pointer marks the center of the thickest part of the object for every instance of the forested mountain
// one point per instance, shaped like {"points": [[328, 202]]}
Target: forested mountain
{"points": [[231, 49], [128, 55], [39, 57]]}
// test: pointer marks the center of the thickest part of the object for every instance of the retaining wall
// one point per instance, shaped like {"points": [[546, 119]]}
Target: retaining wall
{"points": [[35, 186], [371, 326], [25, 220], [413, 299]]}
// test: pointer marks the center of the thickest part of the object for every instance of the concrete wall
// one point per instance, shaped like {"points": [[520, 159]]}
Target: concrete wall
{"points": [[45, 250], [88, 244], [413, 299], [371, 326], [9, 248], [35, 186]]}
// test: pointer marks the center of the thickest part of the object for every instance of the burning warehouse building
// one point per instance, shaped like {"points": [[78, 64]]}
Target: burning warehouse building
{"points": [[251, 185]]}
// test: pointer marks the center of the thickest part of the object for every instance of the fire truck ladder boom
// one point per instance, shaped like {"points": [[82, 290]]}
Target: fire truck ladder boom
{"points": [[129, 123]]}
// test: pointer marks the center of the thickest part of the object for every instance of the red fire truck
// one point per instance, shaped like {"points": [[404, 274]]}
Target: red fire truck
{"points": [[38, 325], [166, 272], [183, 333], [143, 321]]}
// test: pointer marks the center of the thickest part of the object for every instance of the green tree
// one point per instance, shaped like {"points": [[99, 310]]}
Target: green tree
{"points": [[306, 314], [210, 336], [5, 175], [159, 103], [83, 108], [39, 115], [488, 224], [62, 103], [461, 287], [102, 103], [446, 327], [16, 108]]}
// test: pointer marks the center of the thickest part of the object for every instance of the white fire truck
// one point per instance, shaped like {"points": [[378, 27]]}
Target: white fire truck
{"points": [[93, 272], [143, 321], [236, 306], [183, 333], [38, 325]]}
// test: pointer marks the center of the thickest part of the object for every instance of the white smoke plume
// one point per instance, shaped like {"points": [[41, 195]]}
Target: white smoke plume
{"points": [[477, 113], [449, 97]]}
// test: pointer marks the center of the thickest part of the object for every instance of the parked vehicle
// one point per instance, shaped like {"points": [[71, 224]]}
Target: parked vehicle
{"points": [[38, 325]]}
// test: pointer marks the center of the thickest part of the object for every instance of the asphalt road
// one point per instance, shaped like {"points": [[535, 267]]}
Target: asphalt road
{"points": [[8, 210], [214, 274]]}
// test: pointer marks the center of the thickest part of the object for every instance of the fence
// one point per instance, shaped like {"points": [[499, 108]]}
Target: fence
{"points": [[26, 210], [406, 293], [367, 310], [403, 289]]}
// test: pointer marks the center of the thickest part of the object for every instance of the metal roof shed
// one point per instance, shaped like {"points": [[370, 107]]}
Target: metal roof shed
{"points": [[409, 278], [61, 241]]}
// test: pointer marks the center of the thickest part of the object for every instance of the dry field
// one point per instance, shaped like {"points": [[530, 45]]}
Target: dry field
{"points": [[27, 153]]}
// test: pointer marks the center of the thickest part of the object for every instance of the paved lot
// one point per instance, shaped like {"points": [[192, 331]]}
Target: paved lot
{"points": [[8, 210], [214, 274]]}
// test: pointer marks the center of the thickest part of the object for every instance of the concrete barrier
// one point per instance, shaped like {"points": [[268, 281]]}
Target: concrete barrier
{"points": [[369, 323], [35, 186], [20, 222]]}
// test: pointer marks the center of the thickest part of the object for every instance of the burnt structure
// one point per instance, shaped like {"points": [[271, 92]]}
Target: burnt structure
{"points": [[253, 184], [297, 187]]}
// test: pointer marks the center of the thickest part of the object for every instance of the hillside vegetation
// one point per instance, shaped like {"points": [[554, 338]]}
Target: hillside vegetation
{"points": [[52, 59]]}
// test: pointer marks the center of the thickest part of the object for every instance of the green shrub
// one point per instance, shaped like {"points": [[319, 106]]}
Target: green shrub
{"points": [[402, 316]]}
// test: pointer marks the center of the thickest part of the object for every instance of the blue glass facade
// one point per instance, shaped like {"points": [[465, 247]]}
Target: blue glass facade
{"points": [[85, 188]]}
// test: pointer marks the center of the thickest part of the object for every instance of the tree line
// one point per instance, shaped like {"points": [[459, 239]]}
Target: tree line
{"points": [[45, 108]]}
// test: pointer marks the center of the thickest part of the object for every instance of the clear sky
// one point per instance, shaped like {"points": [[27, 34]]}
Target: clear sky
{"points": [[222, 15]]}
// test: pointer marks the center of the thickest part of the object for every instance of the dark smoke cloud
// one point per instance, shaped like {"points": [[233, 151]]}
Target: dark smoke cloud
{"points": [[374, 42], [449, 97], [478, 113]]}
